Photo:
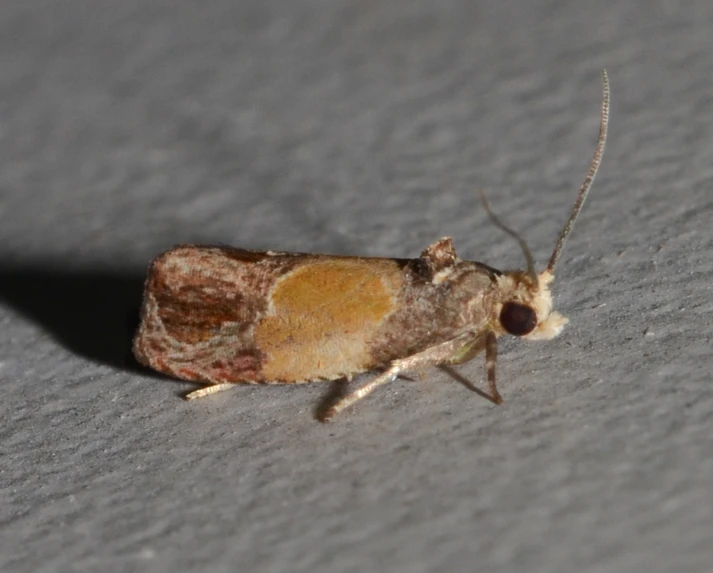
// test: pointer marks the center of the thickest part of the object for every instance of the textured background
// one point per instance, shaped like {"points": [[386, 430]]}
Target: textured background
{"points": [[358, 127]]}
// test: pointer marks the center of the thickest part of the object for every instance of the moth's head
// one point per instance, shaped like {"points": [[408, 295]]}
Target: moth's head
{"points": [[524, 302], [524, 307]]}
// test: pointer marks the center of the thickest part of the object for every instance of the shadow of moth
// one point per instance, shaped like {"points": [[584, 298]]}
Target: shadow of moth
{"points": [[222, 316]]}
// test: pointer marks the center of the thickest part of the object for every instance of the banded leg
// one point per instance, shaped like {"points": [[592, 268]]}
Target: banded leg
{"points": [[429, 357], [491, 358], [491, 355], [208, 390]]}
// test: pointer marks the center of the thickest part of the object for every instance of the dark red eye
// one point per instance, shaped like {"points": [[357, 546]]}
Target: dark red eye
{"points": [[518, 319]]}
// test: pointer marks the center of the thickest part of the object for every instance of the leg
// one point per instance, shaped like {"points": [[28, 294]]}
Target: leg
{"points": [[358, 394], [208, 390], [429, 357], [491, 357], [458, 377]]}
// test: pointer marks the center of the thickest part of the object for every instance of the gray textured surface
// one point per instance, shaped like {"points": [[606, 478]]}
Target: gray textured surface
{"points": [[362, 128]]}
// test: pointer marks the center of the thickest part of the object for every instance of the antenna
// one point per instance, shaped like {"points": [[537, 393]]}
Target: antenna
{"points": [[587, 185], [523, 245]]}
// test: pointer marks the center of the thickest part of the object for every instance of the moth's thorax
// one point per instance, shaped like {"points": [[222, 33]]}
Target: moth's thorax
{"points": [[518, 287]]}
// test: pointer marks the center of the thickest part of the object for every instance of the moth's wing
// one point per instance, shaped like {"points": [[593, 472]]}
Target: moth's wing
{"points": [[228, 315]]}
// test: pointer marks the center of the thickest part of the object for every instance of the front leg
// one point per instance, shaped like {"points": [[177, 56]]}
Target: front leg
{"points": [[439, 354], [489, 342], [491, 359]]}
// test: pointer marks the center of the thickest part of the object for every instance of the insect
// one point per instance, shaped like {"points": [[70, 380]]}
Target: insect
{"points": [[222, 315]]}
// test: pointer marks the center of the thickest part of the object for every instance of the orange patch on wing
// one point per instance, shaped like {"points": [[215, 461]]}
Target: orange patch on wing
{"points": [[322, 316]]}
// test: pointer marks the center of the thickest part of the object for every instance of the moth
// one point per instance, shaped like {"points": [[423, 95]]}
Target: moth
{"points": [[223, 316]]}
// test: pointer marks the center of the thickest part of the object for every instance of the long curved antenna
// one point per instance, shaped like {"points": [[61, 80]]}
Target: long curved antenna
{"points": [[587, 185], [523, 245]]}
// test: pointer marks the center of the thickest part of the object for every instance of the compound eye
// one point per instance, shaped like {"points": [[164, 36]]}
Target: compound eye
{"points": [[518, 319]]}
